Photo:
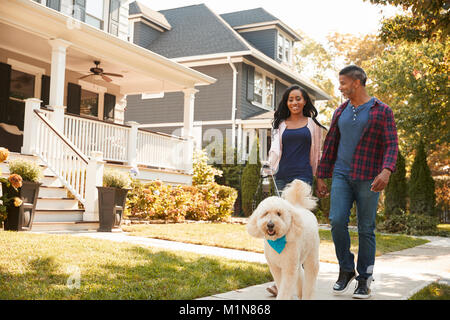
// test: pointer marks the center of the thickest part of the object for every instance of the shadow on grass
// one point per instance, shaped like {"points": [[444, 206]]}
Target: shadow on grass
{"points": [[144, 274]]}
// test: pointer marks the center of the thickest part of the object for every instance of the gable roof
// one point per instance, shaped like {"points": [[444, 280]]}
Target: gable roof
{"points": [[256, 17], [251, 16], [196, 30]]}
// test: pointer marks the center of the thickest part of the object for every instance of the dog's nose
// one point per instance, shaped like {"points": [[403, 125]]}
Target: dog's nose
{"points": [[270, 225]]}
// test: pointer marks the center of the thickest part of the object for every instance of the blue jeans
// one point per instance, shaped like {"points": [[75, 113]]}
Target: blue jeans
{"points": [[343, 193], [281, 183]]}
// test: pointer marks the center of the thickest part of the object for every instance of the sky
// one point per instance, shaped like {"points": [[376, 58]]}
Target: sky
{"points": [[317, 18]]}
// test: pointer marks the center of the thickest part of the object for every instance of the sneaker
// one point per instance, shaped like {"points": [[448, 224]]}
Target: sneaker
{"points": [[343, 282], [362, 290]]}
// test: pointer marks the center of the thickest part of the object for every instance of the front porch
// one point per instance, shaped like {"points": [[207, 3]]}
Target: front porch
{"points": [[70, 118]]}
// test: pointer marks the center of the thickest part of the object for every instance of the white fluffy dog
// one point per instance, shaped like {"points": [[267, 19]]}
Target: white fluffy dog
{"points": [[292, 228]]}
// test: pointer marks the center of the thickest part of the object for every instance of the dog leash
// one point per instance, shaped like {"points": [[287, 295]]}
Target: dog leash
{"points": [[263, 175]]}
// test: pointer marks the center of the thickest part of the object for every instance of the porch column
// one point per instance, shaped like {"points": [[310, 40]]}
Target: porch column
{"points": [[94, 179], [132, 143], [188, 124], [57, 81], [30, 126]]}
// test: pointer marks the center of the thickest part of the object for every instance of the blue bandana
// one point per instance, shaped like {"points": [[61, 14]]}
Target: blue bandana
{"points": [[278, 245]]}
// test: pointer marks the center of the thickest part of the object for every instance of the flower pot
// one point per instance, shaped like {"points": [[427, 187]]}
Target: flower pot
{"points": [[21, 218], [111, 203]]}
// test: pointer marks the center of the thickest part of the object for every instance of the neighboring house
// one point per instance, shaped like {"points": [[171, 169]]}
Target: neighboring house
{"points": [[250, 53], [68, 116]]}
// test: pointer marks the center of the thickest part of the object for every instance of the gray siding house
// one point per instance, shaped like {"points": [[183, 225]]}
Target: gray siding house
{"points": [[250, 53]]}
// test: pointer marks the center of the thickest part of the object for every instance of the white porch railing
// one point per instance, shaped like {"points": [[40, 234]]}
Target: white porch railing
{"points": [[123, 143], [160, 150], [91, 135], [64, 159]]}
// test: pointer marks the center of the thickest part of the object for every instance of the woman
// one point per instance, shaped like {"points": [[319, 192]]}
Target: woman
{"points": [[296, 138], [296, 141]]}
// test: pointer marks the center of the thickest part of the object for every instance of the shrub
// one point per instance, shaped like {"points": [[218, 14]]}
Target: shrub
{"points": [[29, 171], [396, 191], [411, 224], [250, 181], [114, 178], [202, 172], [421, 185], [156, 200]]}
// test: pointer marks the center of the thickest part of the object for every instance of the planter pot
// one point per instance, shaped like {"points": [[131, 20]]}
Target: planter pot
{"points": [[21, 218], [111, 204]]}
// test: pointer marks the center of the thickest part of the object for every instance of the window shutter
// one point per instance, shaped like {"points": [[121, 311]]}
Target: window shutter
{"points": [[109, 106], [73, 98], [5, 80], [250, 82], [45, 90]]}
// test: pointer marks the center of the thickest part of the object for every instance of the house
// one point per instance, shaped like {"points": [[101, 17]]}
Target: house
{"points": [[66, 68], [249, 52]]}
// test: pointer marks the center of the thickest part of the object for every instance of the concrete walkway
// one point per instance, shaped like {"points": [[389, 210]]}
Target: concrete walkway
{"points": [[397, 275]]}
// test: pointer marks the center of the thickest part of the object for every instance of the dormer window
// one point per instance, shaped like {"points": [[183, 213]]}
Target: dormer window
{"points": [[284, 52]]}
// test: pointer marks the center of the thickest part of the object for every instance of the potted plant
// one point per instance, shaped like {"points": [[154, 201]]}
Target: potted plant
{"points": [[112, 198], [19, 193]]}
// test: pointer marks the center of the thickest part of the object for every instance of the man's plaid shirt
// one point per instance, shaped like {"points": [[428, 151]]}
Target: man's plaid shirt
{"points": [[377, 149]]}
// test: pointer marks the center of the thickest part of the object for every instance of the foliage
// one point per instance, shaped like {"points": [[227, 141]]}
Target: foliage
{"points": [[356, 49], [411, 224], [9, 187], [114, 178], [396, 191], [156, 200], [423, 20], [29, 171], [250, 181], [203, 173], [413, 80], [421, 185], [434, 291]]}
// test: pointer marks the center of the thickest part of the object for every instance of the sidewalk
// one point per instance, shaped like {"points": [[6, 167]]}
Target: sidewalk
{"points": [[397, 275]]}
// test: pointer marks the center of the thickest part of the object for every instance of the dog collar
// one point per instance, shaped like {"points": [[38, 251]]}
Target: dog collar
{"points": [[278, 245]]}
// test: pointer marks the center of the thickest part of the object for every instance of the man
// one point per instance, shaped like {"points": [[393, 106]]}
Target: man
{"points": [[360, 152]]}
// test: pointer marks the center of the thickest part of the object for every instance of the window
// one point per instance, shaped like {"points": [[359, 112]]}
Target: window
{"points": [[94, 13], [269, 93], [89, 103], [264, 88], [284, 48], [259, 89], [21, 85], [280, 46]]}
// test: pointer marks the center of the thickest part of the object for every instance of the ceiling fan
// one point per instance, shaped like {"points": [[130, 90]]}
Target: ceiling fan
{"points": [[97, 71]]}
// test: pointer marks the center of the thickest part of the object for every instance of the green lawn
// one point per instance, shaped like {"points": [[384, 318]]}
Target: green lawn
{"points": [[434, 291], [235, 236], [38, 266]]}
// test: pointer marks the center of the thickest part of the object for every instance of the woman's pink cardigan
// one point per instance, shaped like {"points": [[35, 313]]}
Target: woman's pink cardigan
{"points": [[276, 145]]}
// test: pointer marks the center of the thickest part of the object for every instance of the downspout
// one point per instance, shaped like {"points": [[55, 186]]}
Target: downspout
{"points": [[233, 104]]}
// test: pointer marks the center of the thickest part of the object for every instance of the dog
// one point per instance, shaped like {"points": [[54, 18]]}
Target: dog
{"points": [[291, 239]]}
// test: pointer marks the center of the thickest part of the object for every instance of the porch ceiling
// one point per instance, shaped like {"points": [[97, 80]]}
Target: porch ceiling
{"points": [[27, 27]]}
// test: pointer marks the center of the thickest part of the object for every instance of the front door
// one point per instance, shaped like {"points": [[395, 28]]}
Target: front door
{"points": [[16, 87]]}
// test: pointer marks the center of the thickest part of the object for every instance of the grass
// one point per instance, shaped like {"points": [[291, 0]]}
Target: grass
{"points": [[38, 266], [235, 236], [434, 291]]}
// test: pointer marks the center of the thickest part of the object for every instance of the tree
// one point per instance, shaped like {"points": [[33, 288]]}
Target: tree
{"points": [[421, 185], [423, 20], [412, 78], [396, 191], [250, 181]]}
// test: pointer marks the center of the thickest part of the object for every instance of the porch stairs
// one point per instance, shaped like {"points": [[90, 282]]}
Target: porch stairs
{"points": [[55, 209]]}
